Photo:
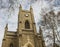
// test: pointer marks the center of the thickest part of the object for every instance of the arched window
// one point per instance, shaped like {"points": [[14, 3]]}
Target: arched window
{"points": [[27, 25], [28, 46], [11, 45]]}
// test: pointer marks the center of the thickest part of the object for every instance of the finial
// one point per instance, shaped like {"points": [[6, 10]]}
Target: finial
{"points": [[30, 6], [6, 25], [6, 29], [20, 6], [40, 30], [31, 10]]}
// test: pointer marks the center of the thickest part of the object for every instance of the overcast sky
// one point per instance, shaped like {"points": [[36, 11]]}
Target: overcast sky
{"points": [[9, 12]]}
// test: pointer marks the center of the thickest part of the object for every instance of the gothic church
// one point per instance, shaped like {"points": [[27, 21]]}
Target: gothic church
{"points": [[26, 34]]}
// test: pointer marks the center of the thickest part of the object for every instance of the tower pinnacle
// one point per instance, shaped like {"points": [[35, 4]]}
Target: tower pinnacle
{"points": [[20, 7]]}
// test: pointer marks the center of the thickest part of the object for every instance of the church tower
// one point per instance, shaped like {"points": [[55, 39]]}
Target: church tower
{"points": [[26, 28], [26, 34], [26, 20]]}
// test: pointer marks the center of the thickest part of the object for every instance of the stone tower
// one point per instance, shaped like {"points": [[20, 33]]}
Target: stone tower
{"points": [[26, 28], [26, 34]]}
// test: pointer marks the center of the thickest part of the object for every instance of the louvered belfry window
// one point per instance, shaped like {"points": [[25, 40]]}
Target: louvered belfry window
{"points": [[11, 45], [27, 25]]}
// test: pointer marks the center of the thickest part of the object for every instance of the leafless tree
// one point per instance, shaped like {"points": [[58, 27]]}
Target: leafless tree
{"points": [[50, 23]]}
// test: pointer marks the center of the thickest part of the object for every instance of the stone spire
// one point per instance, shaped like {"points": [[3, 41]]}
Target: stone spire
{"points": [[40, 30], [6, 29], [20, 7], [31, 9]]}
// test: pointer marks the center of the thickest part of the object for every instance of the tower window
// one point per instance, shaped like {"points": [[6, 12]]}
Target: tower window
{"points": [[11, 45], [28, 46], [27, 25]]}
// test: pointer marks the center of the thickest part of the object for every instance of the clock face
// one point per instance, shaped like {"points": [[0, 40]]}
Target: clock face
{"points": [[26, 15]]}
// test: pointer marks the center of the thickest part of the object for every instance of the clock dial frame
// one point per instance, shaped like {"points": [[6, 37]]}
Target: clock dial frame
{"points": [[26, 15]]}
